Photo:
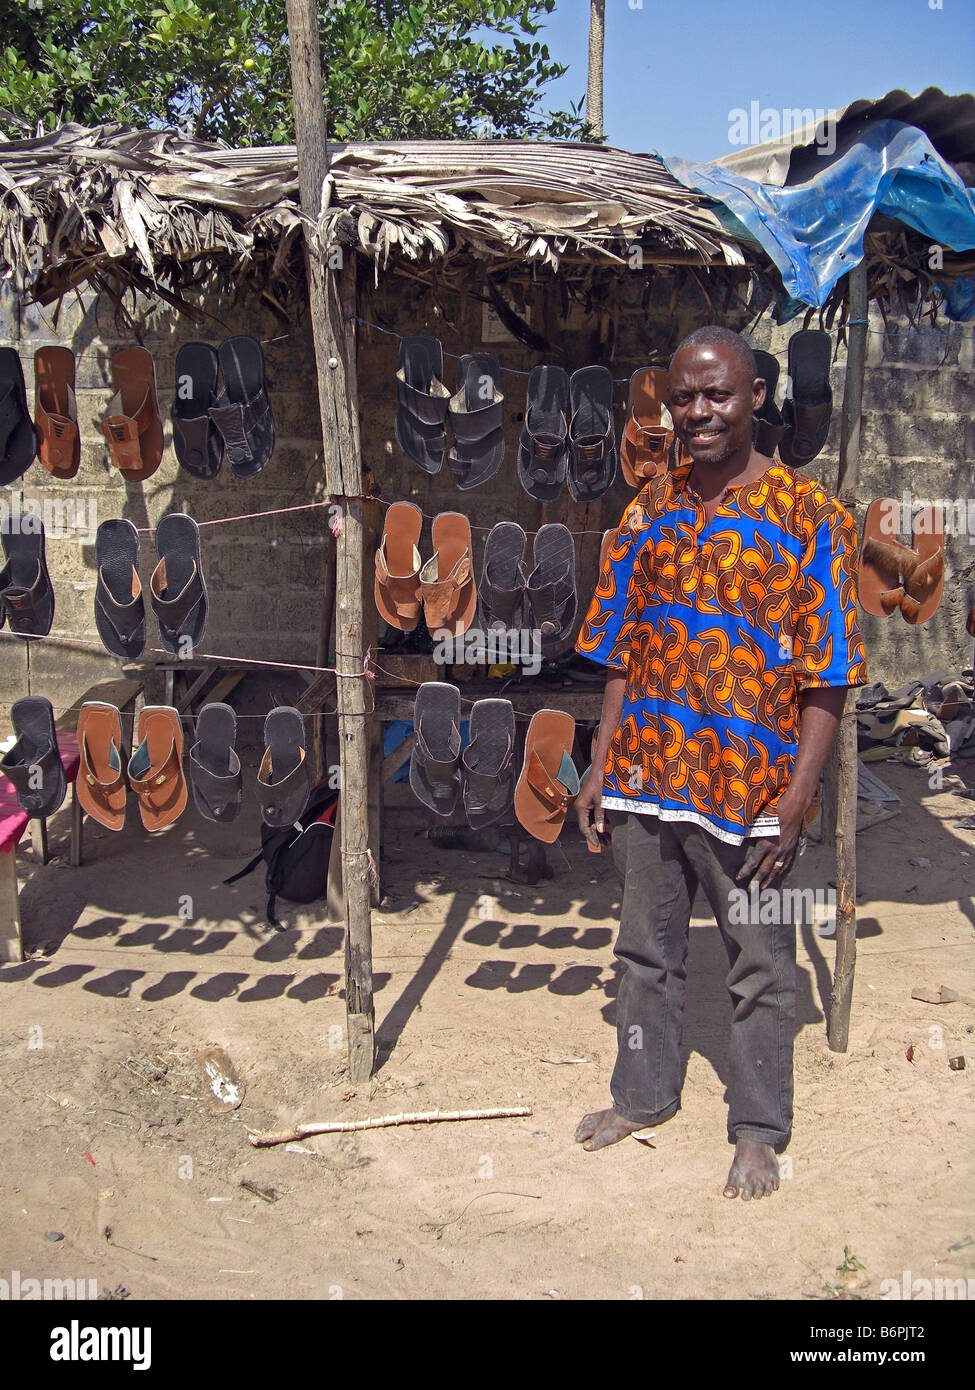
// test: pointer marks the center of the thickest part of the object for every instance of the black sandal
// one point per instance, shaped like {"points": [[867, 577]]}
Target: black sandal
{"points": [[34, 763], [26, 593]]}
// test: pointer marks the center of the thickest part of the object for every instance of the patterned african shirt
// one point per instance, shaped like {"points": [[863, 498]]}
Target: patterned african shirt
{"points": [[719, 627]]}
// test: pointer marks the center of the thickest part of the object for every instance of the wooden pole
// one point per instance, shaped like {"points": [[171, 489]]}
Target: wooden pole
{"points": [[594, 90], [332, 299], [841, 772]]}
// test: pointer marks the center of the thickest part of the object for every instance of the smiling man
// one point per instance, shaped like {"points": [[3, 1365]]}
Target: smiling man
{"points": [[726, 615]]}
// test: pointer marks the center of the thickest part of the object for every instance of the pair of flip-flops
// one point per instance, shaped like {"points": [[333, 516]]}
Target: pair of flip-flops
{"points": [[26, 592], [33, 765], [549, 781], [177, 590], [549, 587], [568, 435], [443, 587], [482, 776], [207, 421], [893, 576], [154, 770], [18, 438], [475, 411]]}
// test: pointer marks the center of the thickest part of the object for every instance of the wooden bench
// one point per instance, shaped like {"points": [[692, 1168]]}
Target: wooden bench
{"points": [[13, 822]]}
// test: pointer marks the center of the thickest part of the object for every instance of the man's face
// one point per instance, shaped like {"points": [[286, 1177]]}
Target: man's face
{"points": [[712, 400]]}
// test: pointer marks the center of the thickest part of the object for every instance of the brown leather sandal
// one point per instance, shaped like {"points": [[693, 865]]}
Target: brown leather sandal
{"points": [[648, 433], [549, 780], [447, 579], [397, 588], [156, 767], [132, 426], [101, 779], [56, 411], [925, 582], [884, 562]]}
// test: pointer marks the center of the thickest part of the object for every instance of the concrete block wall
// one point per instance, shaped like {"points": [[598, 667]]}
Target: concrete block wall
{"points": [[264, 576]]}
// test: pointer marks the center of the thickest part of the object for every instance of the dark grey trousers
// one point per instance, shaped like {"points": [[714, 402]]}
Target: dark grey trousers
{"points": [[665, 864]]}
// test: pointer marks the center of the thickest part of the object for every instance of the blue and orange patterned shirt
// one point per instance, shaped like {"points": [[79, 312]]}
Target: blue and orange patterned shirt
{"points": [[719, 627]]}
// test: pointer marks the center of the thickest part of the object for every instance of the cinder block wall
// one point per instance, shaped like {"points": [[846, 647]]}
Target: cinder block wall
{"points": [[264, 575]]}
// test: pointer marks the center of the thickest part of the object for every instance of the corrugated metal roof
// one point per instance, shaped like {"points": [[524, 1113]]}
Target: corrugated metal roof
{"points": [[947, 121]]}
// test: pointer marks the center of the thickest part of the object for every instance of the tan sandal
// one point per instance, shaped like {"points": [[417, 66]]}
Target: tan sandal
{"points": [[101, 779], [648, 433], [156, 767], [447, 578], [397, 588], [132, 427], [549, 781], [925, 582], [56, 411]]}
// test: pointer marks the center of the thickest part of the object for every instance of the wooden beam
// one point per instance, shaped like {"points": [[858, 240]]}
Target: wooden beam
{"points": [[332, 298], [841, 780]]}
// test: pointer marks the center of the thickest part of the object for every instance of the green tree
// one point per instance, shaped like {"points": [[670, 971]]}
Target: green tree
{"points": [[218, 69]]}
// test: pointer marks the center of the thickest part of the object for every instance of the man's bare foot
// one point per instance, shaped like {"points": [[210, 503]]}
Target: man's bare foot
{"points": [[604, 1127], [754, 1171]]}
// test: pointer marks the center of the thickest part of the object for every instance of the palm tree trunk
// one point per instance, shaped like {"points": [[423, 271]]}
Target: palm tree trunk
{"points": [[594, 92]]}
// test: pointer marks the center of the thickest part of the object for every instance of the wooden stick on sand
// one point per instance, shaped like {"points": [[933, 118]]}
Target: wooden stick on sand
{"points": [[287, 1136]]}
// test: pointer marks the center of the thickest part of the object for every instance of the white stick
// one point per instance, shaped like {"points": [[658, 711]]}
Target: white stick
{"points": [[263, 1140]]}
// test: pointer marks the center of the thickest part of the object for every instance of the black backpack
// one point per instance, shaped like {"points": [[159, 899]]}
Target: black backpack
{"points": [[297, 855]]}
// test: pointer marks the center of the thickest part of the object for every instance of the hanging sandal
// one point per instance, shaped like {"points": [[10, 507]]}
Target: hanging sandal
{"points": [[177, 591], [543, 450], [501, 592], [435, 761], [18, 439], [397, 585], [551, 587], [487, 763], [284, 781], [132, 428], [477, 420], [883, 562], [592, 437], [156, 767], [197, 442], [768, 425], [26, 592], [649, 430], [56, 411], [215, 775], [242, 413], [34, 764], [120, 610], [925, 581], [447, 578], [101, 781], [422, 401], [806, 414], [549, 779]]}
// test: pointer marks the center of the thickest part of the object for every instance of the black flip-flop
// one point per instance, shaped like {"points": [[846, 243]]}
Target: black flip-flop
{"points": [[214, 765], [435, 760], [502, 588], [242, 412], [120, 610], [34, 764], [488, 762], [177, 590], [807, 413], [593, 454], [197, 442], [551, 587], [18, 438], [26, 593], [477, 420], [284, 780], [768, 426], [543, 450]]}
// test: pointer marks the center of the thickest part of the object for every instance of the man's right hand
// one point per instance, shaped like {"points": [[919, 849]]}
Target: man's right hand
{"points": [[589, 809]]}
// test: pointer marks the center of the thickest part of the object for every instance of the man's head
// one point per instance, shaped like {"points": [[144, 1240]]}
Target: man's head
{"points": [[714, 390]]}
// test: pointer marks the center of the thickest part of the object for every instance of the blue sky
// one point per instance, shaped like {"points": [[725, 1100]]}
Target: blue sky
{"points": [[673, 72]]}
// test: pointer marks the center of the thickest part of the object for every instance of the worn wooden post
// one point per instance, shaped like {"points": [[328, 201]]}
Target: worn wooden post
{"points": [[332, 299], [842, 770]]}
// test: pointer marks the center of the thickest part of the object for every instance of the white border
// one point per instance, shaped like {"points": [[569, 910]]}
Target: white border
{"points": [[764, 825]]}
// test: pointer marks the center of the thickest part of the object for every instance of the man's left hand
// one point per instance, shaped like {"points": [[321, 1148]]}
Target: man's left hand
{"points": [[768, 860]]}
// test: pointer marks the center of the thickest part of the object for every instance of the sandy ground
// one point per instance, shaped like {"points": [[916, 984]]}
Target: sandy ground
{"points": [[488, 993]]}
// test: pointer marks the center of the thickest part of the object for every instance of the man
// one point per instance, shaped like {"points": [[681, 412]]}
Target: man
{"points": [[726, 614]]}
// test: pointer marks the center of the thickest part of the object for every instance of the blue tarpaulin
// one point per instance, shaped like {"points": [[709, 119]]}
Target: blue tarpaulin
{"points": [[813, 231]]}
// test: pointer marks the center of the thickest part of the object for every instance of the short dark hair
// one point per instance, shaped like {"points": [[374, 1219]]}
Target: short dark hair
{"points": [[713, 336]]}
